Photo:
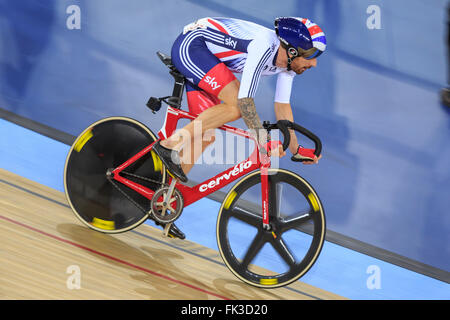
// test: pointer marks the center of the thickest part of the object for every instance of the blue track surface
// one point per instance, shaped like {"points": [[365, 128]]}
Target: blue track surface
{"points": [[338, 270]]}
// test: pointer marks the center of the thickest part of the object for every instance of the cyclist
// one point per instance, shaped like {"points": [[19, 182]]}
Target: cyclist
{"points": [[210, 50]]}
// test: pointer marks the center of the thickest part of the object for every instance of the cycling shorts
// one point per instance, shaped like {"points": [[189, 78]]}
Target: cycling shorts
{"points": [[202, 69]]}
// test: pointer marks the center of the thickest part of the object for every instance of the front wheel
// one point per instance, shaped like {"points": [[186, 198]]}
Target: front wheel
{"points": [[276, 257]]}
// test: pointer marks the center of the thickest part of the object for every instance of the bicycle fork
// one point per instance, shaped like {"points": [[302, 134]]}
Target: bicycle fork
{"points": [[265, 194]]}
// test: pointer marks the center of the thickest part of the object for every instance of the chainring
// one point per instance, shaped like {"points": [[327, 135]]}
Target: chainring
{"points": [[166, 212]]}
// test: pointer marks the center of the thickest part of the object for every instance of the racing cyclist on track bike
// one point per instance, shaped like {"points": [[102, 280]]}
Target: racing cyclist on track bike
{"points": [[209, 51]]}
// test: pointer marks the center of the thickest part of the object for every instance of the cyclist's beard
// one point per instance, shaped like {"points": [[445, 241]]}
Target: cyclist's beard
{"points": [[299, 70]]}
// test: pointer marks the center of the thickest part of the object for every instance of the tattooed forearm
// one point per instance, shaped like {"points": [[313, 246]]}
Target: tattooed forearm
{"points": [[248, 113], [251, 118]]}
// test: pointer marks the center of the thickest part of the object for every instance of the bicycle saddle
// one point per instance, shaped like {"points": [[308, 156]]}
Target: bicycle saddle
{"points": [[165, 59], [168, 62]]}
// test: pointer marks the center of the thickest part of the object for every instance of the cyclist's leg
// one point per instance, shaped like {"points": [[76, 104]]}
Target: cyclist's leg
{"points": [[225, 112], [211, 118], [198, 101], [213, 114], [191, 152], [192, 58]]}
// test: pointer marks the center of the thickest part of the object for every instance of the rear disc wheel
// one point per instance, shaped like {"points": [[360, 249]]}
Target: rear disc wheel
{"points": [[103, 146]]}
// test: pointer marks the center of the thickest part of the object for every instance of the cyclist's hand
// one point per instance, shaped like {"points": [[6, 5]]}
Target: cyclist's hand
{"points": [[315, 161], [306, 156]]}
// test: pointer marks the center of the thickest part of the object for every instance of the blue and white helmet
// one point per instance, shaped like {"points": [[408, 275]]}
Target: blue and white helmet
{"points": [[301, 36]]}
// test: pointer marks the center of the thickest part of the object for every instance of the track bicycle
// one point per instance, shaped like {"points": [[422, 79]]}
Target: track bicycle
{"points": [[270, 226]]}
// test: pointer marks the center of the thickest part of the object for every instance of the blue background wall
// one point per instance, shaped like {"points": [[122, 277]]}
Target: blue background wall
{"points": [[373, 98]]}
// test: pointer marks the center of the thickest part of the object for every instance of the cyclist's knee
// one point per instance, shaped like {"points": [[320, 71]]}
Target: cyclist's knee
{"points": [[235, 113], [229, 96], [230, 93]]}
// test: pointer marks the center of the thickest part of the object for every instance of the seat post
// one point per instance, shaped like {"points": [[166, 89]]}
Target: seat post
{"points": [[178, 89]]}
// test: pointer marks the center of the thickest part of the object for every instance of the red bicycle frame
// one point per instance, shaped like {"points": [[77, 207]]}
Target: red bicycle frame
{"points": [[205, 188]]}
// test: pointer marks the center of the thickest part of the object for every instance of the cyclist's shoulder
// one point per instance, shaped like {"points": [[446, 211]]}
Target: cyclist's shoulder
{"points": [[234, 22], [238, 27], [264, 42]]}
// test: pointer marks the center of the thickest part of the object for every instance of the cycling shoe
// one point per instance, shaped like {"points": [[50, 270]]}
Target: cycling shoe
{"points": [[171, 160]]}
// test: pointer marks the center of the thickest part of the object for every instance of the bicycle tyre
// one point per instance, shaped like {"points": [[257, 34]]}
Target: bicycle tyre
{"points": [[106, 144], [241, 266]]}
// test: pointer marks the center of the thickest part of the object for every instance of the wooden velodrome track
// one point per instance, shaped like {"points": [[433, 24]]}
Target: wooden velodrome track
{"points": [[40, 239]]}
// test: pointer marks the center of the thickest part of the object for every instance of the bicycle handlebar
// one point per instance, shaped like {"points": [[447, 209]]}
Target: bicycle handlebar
{"points": [[285, 125]]}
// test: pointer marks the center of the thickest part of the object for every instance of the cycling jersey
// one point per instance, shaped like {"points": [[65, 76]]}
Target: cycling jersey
{"points": [[210, 50]]}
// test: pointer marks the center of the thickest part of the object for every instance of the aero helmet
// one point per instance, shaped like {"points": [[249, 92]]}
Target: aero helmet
{"points": [[301, 37]]}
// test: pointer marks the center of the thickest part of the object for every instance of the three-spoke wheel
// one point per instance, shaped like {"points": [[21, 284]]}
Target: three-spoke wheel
{"points": [[276, 257]]}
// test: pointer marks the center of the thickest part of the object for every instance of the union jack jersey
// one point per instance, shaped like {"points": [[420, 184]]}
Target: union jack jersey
{"points": [[244, 47]]}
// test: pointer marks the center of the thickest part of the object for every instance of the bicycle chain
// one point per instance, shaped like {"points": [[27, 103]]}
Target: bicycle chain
{"points": [[145, 178], [131, 199]]}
